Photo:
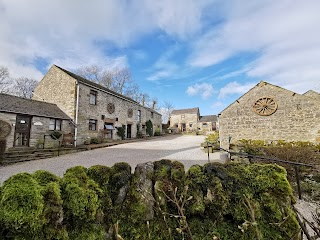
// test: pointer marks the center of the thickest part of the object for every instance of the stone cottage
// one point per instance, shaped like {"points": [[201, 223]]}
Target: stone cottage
{"points": [[189, 120], [96, 111], [27, 121], [268, 112]]}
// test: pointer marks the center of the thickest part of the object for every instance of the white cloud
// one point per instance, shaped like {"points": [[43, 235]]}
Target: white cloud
{"points": [[234, 88], [283, 34], [75, 33], [203, 89]]}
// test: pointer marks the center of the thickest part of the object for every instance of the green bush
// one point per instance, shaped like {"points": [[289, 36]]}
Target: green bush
{"points": [[139, 133], [94, 140], [157, 132], [149, 128], [121, 132]]}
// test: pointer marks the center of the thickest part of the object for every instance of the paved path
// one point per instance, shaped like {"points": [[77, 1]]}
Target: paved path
{"points": [[182, 148]]}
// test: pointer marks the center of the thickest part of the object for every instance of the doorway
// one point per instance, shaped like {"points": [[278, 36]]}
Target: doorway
{"points": [[183, 127], [129, 131], [22, 131]]}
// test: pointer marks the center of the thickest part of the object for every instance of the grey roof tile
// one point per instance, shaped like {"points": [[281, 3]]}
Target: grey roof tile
{"points": [[14, 104]]}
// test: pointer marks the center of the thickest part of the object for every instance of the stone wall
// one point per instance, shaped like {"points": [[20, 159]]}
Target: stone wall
{"points": [[158, 201], [296, 118], [36, 132], [119, 117], [188, 119], [59, 88]]}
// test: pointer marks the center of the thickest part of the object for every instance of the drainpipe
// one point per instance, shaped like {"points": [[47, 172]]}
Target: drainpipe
{"points": [[76, 117], [218, 128]]}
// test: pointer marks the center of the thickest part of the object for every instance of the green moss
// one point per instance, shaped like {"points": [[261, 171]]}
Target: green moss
{"points": [[44, 177], [88, 232], [80, 196], [162, 170], [22, 205], [120, 177]]}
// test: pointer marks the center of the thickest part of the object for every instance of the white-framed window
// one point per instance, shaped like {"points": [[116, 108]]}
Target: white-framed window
{"points": [[55, 124], [93, 97], [92, 124]]}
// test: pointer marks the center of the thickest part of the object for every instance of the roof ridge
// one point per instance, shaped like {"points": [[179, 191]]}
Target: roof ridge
{"points": [[28, 99]]}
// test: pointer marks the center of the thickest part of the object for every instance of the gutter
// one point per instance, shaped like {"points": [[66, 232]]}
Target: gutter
{"points": [[76, 117]]}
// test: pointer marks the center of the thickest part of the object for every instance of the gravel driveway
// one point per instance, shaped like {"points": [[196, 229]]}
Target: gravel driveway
{"points": [[185, 149]]}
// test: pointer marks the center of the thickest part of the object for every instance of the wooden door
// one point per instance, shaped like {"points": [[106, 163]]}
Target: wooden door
{"points": [[129, 131], [22, 131]]}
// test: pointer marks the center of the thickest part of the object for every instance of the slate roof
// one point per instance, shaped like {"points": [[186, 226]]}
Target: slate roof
{"points": [[91, 83], [209, 118], [14, 104], [96, 85], [185, 111]]}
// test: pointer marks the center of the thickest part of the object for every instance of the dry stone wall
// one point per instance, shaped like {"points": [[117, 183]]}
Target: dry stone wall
{"points": [[158, 201]]}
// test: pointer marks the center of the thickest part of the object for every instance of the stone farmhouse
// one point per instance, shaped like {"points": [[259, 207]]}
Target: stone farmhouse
{"points": [[268, 112], [95, 110], [27, 121], [189, 120]]}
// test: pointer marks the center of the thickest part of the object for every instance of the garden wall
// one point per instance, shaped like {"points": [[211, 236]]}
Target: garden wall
{"points": [[158, 201]]}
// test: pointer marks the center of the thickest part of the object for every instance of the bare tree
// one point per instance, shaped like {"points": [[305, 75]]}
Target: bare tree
{"points": [[121, 79], [4, 79], [23, 87], [166, 110], [118, 80], [97, 74]]}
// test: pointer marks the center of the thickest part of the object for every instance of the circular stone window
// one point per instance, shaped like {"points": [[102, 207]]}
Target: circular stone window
{"points": [[130, 112], [265, 106], [110, 108], [5, 129]]}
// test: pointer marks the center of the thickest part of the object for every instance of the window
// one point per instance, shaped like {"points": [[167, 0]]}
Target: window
{"points": [[55, 124], [190, 124], [93, 97], [151, 114], [139, 115], [92, 124], [204, 124]]}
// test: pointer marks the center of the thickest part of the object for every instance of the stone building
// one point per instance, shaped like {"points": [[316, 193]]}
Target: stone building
{"points": [[29, 120], [96, 111], [268, 112], [189, 120]]}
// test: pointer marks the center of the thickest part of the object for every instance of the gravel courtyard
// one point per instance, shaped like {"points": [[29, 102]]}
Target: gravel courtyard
{"points": [[185, 149]]}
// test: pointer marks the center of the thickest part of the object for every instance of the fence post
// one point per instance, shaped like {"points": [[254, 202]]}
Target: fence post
{"points": [[298, 180], [208, 152]]}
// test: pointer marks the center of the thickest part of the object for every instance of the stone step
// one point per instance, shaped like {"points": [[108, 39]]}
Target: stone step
{"points": [[26, 157]]}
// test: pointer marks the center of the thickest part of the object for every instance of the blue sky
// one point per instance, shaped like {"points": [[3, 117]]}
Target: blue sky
{"points": [[192, 53]]}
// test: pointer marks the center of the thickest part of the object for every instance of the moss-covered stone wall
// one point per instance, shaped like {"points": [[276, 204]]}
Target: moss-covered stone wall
{"points": [[158, 201]]}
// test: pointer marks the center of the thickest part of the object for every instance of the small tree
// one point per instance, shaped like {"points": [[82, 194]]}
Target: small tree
{"points": [[139, 133], [149, 126], [121, 132]]}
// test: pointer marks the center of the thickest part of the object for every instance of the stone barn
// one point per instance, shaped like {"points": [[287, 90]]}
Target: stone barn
{"points": [[96, 111], [268, 112]]}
